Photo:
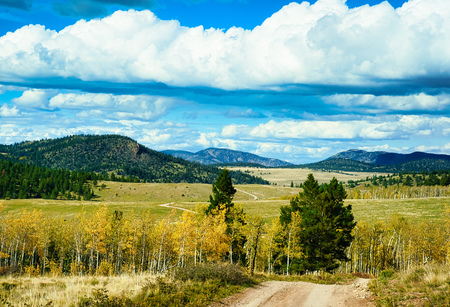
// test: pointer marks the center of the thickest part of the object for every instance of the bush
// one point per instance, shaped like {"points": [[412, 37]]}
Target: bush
{"points": [[225, 273]]}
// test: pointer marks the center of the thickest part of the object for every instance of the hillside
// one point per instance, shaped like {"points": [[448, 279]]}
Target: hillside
{"points": [[225, 156], [387, 158], [347, 165], [113, 153]]}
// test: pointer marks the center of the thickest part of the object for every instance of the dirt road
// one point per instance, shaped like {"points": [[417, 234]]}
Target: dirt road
{"points": [[290, 294]]}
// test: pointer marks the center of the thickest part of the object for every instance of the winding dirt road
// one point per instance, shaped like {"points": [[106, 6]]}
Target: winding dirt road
{"points": [[290, 294], [170, 205]]}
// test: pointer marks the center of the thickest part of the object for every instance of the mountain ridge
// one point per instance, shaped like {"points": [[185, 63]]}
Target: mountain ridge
{"points": [[222, 156], [387, 158], [114, 153]]}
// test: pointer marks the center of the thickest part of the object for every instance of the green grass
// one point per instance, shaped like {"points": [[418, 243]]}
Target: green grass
{"points": [[139, 197], [416, 210]]}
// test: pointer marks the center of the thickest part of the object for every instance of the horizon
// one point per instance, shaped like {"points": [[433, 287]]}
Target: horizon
{"points": [[294, 81], [228, 149]]}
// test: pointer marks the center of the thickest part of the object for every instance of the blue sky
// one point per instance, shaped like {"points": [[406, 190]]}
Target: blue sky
{"points": [[298, 81]]}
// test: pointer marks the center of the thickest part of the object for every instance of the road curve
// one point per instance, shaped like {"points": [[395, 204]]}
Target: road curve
{"points": [[252, 195], [169, 205]]}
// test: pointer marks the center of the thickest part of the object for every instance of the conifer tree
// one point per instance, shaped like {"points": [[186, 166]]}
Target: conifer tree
{"points": [[223, 193], [325, 224]]}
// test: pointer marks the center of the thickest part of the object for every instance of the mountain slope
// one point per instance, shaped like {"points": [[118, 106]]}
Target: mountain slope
{"points": [[387, 158], [113, 153], [221, 156]]}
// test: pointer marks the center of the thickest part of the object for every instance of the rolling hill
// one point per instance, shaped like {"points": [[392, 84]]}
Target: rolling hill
{"points": [[362, 161], [387, 158], [225, 156], [114, 153]]}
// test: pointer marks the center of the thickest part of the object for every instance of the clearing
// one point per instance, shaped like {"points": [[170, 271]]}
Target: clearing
{"points": [[284, 176]]}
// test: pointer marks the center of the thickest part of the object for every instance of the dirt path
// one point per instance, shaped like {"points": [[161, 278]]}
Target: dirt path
{"points": [[252, 195], [290, 294], [169, 205]]}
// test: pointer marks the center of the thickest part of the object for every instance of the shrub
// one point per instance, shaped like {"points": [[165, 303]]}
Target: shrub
{"points": [[225, 273]]}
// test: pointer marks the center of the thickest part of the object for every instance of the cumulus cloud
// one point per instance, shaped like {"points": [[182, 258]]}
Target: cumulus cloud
{"points": [[323, 43], [6, 111], [387, 128], [34, 98]]}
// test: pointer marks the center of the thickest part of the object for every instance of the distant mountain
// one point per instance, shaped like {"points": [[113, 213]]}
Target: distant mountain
{"points": [[225, 156], [362, 161], [114, 153], [387, 158]]}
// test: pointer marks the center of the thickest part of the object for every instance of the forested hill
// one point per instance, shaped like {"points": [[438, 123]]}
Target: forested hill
{"points": [[387, 158], [349, 165], [222, 156], [114, 153]]}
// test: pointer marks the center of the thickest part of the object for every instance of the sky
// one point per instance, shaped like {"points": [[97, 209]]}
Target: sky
{"points": [[297, 81]]}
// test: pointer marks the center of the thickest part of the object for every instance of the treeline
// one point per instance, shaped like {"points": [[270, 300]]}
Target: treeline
{"points": [[24, 181], [397, 244], [432, 178], [403, 185], [108, 243], [347, 165]]}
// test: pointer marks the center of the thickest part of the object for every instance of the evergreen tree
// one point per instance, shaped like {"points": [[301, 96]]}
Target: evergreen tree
{"points": [[325, 224], [223, 193]]}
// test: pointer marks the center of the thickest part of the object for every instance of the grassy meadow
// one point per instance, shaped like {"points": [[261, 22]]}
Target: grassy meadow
{"points": [[262, 200], [284, 176]]}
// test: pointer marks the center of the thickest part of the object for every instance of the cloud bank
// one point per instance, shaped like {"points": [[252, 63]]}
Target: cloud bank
{"points": [[324, 43], [310, 81]]}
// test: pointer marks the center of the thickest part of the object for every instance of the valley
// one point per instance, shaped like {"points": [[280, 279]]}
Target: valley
{"points": [[141, 197], [145, 214]]}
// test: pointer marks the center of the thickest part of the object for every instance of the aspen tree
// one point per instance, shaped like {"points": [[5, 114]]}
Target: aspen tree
{"points": [[98, 228], [184, 234], [254, 231]]}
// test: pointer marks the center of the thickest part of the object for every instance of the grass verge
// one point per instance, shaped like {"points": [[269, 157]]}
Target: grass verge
{"points": [[190, 286], [424, 286]]}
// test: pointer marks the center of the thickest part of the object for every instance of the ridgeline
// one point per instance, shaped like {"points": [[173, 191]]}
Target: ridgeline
{"points": [[114, 154]]}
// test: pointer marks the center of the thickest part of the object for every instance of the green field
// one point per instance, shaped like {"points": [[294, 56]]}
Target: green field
{"points": [[139, 197]]}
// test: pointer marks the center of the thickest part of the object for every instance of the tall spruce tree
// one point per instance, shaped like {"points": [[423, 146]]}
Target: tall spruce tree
{"points": [[223, 193], [325, 226]]}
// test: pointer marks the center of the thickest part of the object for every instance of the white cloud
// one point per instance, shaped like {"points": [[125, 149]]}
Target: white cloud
{"points": [[369, 128], [5, 111], [142, 107], [421, 102], [34, 98], [321, 43]]}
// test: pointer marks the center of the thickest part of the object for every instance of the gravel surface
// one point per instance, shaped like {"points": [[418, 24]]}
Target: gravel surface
{"points": [[287, 294]]}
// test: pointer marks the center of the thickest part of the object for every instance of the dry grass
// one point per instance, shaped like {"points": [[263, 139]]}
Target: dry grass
{"points": [[422, 286], [284, 176], [66, 291]]}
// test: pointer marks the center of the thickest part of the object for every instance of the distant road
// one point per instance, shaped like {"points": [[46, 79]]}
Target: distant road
{"points": [[169, 205], [252, 195]]}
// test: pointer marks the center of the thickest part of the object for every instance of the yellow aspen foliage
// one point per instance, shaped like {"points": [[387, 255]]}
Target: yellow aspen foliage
{"points": [[184, 237], [271, 245], [212, 240], [97, 228]]}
